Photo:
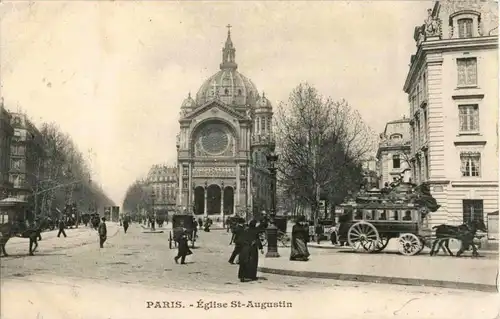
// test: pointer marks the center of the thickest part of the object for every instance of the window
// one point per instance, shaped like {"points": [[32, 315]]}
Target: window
{"points": [[239, 91], [396, 161], [426, 164], [226, 92], [467, 72], [470, 164], [425, 126], [396, 136], [263, 124], [469, 118], [472, 210], [465, 28]]}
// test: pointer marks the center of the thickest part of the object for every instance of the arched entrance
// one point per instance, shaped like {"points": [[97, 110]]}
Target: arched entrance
{"points": [[213, 199], [199, 200], [228, 200]]}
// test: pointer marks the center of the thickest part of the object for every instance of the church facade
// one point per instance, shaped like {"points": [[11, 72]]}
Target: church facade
{"points": [[225, 136]]}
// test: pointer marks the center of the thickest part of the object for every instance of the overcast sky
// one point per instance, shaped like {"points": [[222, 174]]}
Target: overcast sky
{"points": [[114, 74]]}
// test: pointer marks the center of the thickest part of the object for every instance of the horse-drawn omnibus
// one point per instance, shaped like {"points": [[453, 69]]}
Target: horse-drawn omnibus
{"points": [[180, 224], [369, 220]]}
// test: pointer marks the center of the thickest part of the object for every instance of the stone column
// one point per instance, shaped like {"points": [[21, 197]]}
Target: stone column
{"points": [[249, 202], [222, 200], [190, 189], [205, 211], [238, 187]]}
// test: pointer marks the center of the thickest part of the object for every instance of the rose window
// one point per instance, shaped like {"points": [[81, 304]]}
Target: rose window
{"points": [[214, 140]]}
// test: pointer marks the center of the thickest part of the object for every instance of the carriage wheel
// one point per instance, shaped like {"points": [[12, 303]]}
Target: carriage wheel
{"points": [[285, 240], [363, 236], [170, 240], [409, 244], [263, 240], [379, 246]]}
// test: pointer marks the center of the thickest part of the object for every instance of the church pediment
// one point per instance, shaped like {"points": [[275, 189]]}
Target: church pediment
{"points": [[215, 107]]}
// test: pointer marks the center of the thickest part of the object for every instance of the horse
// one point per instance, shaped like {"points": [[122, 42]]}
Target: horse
{"points": [[11, 230], [465, 233]]}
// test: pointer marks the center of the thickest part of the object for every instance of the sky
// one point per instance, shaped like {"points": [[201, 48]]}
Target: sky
{"points": [[114, 74]]}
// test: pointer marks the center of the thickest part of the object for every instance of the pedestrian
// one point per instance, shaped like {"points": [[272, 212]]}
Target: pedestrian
{"points": [[37, 225], [152, 221], [200, 223], [319, 232], [237, 237], [300, 238], [62, 225], [103, 232], [125, 224], [208, 223], [182, 248], [249, 255], [195, 228]]}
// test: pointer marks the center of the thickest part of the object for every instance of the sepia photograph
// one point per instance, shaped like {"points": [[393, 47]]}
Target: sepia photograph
{"points": [[249, 159]]}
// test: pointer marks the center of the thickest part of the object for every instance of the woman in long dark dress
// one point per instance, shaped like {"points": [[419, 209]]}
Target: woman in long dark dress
{"points": [[300, 237], [249, 255]]}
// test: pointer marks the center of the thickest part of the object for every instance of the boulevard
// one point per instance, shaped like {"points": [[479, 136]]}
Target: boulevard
{"points": [[134, 275]]}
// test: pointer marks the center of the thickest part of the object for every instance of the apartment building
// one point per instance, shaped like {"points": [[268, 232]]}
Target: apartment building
{"points": [[393, 153], [452, 88]]}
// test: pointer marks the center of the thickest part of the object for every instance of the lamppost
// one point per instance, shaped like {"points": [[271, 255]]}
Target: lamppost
{"points": [[153, 196], [272, 230]]}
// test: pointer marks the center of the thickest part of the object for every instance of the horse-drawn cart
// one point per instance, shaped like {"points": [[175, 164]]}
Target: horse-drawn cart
{"points": [[180, 224], [370, 220]]}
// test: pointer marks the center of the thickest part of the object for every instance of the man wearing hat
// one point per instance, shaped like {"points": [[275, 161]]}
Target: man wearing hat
{"points": [[103, 232], [237, 237]]}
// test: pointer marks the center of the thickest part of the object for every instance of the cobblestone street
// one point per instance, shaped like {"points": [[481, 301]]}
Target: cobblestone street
{"points": [[139, 266]]}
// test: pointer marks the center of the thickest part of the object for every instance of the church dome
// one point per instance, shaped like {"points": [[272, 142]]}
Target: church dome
{"points": [[188, 102], [263, 102], [228, 85]]}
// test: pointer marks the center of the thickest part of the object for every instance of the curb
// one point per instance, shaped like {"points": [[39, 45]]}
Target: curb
{"points": [[485, 252], [382, 279]]}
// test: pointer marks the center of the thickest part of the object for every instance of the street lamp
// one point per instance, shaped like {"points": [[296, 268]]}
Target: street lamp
{"points": [[272, 230], [153, 196]]}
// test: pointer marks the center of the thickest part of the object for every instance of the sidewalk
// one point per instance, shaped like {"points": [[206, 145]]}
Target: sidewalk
{"points": [[390, 268], [489, 249], [76, 237]]}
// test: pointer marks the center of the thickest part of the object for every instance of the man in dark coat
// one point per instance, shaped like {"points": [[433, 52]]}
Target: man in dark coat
{"points": [[125, 224], [182, 248], [249, 256], [62, 225], [103, 232], [237, 240]]}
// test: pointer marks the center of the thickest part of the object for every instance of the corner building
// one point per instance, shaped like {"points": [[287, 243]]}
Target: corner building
{"points": [[452, 88], [225, 135]]}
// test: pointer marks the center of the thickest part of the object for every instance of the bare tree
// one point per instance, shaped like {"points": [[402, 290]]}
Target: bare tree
{"points": [[322, 143], [137, 197], [66, 174]]}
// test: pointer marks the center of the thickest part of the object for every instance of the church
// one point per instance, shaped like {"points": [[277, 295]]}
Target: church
{"points": [[225, 136]]}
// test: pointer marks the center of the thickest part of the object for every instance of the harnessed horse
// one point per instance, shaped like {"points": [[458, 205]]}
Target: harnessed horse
{"points": [[465, 233], [8, 231]]}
